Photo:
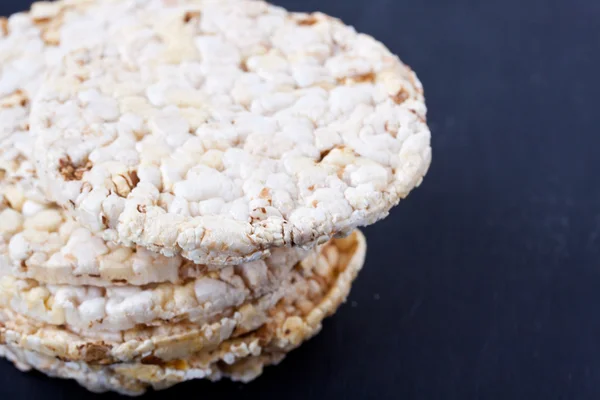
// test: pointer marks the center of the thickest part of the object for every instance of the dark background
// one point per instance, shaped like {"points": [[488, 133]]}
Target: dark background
{"points": [[485, 282]]}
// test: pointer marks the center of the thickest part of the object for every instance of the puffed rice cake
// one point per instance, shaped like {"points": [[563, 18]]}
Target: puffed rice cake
{"points": [[293, 320], [36, 322], [220, 129], [172, 173]]}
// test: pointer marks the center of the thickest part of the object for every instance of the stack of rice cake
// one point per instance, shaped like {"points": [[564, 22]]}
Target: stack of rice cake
{"points": [[181, 183]]}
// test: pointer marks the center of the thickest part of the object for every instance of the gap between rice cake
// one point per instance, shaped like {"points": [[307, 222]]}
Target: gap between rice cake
{"points": [[295, 319], [220, 129], [173, 340]]}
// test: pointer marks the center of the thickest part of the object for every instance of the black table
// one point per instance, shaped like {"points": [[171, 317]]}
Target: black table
{"points": [[484, 283]]}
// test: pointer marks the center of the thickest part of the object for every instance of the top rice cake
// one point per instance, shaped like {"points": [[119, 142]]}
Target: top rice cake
{"points": [[218, 129]]}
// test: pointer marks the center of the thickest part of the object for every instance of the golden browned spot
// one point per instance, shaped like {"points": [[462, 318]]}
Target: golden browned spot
{"points": [[104, 220], [125, 183], [325, 153], [95, 352], [119, 281], [264, 193], [23, 265], [347, 244], [94, 275], [41, 19], [15, 99], [265, 333], [50, 30], [401, 96], [315, 203], [369, 77], [179, 365], [190, 15], [141, 208], [263, 210], [309, 20], [132, 179], [49, 26], [342, 148], [2, 174], [244, 65], [392, 132], [4, 26], [71, 172], [152, 360], [311, 187]]}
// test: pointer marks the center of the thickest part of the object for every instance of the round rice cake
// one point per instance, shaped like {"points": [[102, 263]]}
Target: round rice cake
{"points": [[100, 379], [94, 379], [313, 291], [115, 309], [220, 129], [292, 322]]}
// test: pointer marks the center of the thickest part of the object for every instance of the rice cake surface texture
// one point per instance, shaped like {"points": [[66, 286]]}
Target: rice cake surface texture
{"points": [[114, 309], [30, 43], [336, 265], [294, 320], [220, 129], [38, 240]]}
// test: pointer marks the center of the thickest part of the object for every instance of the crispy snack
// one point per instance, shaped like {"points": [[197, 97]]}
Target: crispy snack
{"points": [[220, 129], [30, 43], [296, 318], [168, 341], [100, 379], [39, 241], [92, 309]]}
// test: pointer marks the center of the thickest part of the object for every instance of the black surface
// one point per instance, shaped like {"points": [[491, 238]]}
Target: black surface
{"points": [[485, 283]]}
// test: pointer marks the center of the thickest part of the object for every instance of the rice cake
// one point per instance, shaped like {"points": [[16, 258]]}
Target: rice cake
{"points": [[294, 320], [337, 262], [41, 242], [221, 129]]}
